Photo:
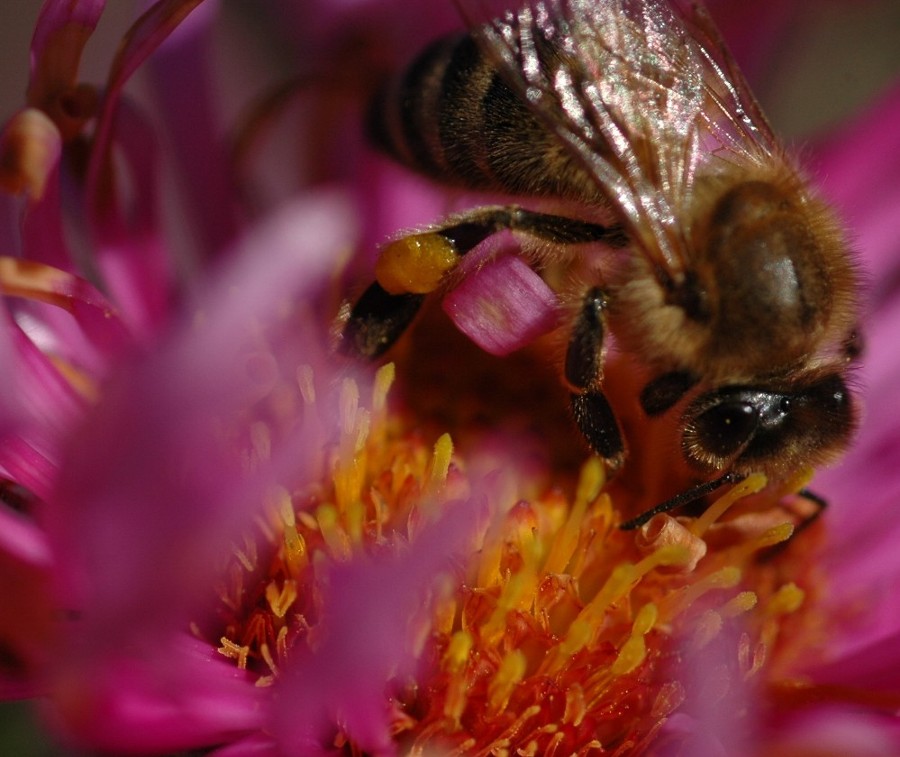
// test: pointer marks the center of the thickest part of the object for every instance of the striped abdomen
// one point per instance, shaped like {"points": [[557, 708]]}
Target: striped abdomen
{"points": [[454, 118]]}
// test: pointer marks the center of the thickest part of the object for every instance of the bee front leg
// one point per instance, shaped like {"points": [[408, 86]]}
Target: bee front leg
{"points": [[592, 412], [414, 265]]}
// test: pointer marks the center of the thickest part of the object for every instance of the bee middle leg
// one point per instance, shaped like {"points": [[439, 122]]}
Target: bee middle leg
{"points": [[414, 265], [583, 368]]}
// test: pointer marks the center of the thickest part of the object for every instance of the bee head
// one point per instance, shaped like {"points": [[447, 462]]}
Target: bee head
{"points": [[775, 431]]}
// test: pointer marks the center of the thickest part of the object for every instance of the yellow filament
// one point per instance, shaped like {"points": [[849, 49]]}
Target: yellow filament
{"points": [[589, 485], [415, 264], [306, 383], [750, 485], [576, 705], [237, 652], [384, 378], [708, 626], [280, 600], [335, 538], [786, 600], [519, 591], [666, 556], [295, 553], [672, 605], [743, 602], [511, 671], [634, 651], [440, 463]]}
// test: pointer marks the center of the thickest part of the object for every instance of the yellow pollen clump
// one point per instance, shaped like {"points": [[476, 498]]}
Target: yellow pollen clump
{"points": [[557, 633], [415, 264]]}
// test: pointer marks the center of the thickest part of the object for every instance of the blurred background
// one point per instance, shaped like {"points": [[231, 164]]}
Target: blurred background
{"points": [[839, 56]]}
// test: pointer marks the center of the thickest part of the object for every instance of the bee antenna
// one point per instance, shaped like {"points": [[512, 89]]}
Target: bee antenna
{"points": [[686, 497]]}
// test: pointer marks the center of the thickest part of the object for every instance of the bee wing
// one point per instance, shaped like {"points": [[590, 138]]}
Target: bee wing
{"points": [[642, 93]]}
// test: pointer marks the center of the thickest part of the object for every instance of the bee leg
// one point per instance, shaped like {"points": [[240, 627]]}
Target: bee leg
{"points": [[411, 266], [590, 408], [377, 320]]}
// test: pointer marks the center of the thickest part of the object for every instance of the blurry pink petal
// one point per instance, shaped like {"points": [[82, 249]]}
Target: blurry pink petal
{"points": [[27, 618], [844, 731], [689, 736], [151, 497], [30, 146], [871, 667], [148, 471], [755, 33], [133, 705], [37, 408], [368, 610], [257, 745], [120, 263], [503, 306], [97, 320], [188, 109], [384, 27], [131, 252], [145, 35], [63, 28], [859, 168]]}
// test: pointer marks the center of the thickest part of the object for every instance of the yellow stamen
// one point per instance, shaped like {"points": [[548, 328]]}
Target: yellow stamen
{"points": [[755, 482], [335, 537], [634, 650], [440, 463], [589, 486], [295, 553], [677, 602], [281, 599], [511, 671]]}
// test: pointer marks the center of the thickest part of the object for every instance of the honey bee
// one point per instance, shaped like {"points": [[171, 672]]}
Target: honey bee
{"points": [[727, 276]]}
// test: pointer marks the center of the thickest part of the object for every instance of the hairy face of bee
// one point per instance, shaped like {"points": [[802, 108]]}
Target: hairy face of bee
{"points": [[771, 430]]}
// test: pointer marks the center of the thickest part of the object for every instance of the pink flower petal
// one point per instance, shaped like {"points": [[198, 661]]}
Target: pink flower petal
{"points": [[131, 252], [858, 169], [132, 705], [95, 317], [872, 667], [844, 731], [188, 113], [146, 472], [151, 496], [62, 30], [503, 306]]}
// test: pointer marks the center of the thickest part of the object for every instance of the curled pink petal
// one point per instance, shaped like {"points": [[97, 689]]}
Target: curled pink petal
{"points": [[131, 252], [63, 28], [188, 106], [132, 705], [95, 316], [503, 306]]}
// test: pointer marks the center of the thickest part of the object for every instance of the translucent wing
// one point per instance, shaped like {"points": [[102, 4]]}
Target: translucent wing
{"points": [[643, 93]]}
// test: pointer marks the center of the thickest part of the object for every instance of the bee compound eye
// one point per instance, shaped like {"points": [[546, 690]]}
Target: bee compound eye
{"points": [[724, 429]]}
